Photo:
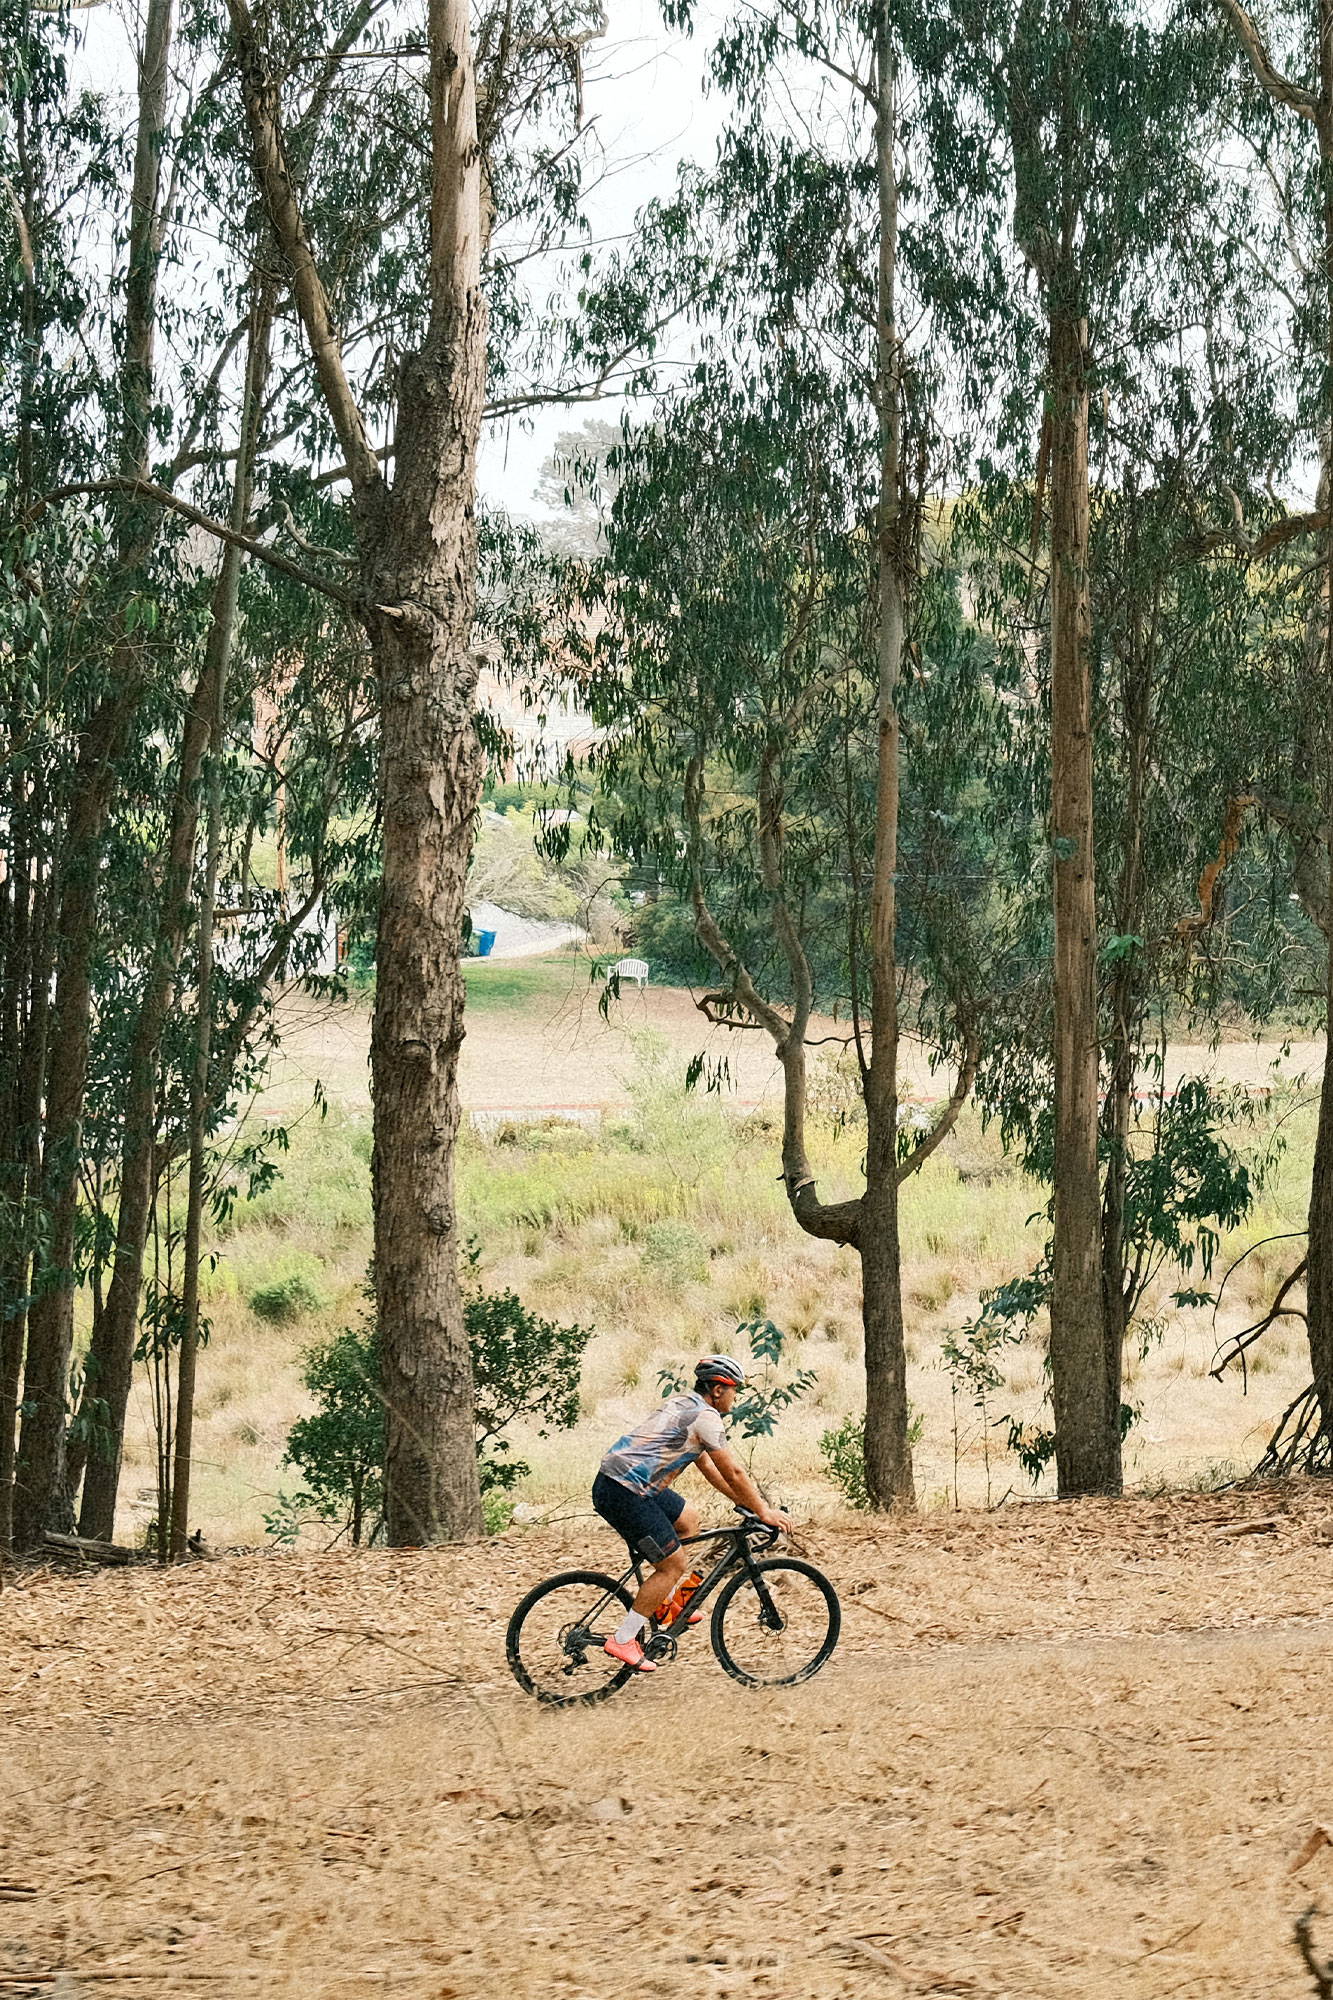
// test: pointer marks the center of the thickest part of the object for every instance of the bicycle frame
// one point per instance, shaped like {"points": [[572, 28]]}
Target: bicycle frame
{"points": [[739, 1551]]}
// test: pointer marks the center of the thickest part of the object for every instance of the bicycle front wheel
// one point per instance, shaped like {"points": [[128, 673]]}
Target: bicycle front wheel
{"points": [[555, 1638], [776, 1623]]}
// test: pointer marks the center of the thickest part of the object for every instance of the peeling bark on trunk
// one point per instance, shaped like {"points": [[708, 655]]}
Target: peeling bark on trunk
{"points": [[430, 781], [1085, 1365], [418, 566]]}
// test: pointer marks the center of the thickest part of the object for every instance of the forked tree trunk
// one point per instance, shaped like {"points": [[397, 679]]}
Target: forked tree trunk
{"points": [[1085, 1365]]}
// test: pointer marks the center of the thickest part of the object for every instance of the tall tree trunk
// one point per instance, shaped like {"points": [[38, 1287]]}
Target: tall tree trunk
{"points": [[430, 781], [1319, 707], [1126, 1005], [1085, 1373], [220, 640], [888, 1455], [110, 1365], [1319, 1271], [39, 1482], [418, 550]]}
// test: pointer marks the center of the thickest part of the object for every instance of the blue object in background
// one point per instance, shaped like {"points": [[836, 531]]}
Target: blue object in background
{"points": [[485, 943]]}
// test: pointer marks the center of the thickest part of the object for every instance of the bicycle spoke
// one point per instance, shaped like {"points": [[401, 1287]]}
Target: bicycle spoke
{"points": [[556, 1638], [777, 1624]]}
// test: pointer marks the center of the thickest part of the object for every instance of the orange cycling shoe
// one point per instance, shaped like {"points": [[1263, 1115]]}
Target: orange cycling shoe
{"points": [[632, 1653]]}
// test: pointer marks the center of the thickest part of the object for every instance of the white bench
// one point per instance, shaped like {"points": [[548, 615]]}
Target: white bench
{"points": [[632, 968]]}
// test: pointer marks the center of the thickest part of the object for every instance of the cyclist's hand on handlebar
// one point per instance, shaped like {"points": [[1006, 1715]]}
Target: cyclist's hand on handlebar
{"points": [[773, 1517]]}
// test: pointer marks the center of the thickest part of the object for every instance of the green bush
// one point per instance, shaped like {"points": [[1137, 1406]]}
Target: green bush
{"points": [[286, 1299], [522, 1366], [676, 1250], [844, 1453]]}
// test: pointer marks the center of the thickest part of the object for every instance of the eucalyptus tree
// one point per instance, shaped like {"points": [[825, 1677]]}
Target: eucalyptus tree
{"points": [[494, 145], [49, 162], [835, 112], [112, 703], [1091, 99], [109, 714], [1289, 120]]}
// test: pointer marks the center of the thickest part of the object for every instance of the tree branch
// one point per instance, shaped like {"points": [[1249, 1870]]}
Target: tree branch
{"points": [[145, 489], [1280, 88], [948, 1118], [838, 1222], [287, 222]]}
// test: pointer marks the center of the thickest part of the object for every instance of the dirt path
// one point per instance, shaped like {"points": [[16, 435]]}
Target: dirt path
{"points": [[1062, 1752]]}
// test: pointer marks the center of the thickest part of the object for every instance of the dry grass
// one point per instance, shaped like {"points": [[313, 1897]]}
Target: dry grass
{"points": [[663, 1228], [1062, 1752]]}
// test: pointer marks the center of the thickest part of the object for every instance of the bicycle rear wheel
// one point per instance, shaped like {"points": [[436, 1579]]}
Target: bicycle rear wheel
{"points": [[776, 1623], [555, 1638]]}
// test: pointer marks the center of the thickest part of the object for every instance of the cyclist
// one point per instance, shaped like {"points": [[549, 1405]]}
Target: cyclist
{"points": [[633, 1490]]}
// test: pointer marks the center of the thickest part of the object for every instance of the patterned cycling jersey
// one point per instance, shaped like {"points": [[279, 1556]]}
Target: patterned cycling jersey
{"points": [[649, 1457]]}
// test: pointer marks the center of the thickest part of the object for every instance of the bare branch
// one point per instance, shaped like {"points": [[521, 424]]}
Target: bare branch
{"points": [[288, 224], [948, 1118], [1280, 88]]}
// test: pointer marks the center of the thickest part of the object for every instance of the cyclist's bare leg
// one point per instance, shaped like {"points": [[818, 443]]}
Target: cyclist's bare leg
{"points": [[656, 1589], [667, 1574]]}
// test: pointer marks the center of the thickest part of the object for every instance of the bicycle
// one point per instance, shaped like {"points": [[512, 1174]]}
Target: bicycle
{"points": [[775, 1621]]}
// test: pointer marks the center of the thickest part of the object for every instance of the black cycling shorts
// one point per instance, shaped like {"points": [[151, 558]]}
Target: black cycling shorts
{"points": [[646, 1520]]}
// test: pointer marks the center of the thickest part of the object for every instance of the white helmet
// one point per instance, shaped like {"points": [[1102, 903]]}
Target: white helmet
{"points": [[718, 1368]]}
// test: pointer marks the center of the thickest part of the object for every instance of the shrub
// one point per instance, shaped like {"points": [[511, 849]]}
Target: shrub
{"points": [[844, 1453], [522, 1366], [286, 1299], [676, 1250], [340, 1449]]}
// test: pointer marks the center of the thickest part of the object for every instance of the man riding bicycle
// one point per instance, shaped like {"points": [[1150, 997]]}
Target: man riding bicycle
{"points": [[633, 1490]]}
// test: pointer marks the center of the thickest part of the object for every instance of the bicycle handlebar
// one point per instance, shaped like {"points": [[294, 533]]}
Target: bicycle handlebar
{"points": [[752, 1524]]}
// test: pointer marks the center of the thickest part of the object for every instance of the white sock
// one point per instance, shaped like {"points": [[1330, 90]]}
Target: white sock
{"points": [[630, 1626]]}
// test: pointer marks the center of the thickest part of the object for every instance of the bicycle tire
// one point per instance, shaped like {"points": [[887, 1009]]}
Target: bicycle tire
{"points": [[744, 1581], [597, 1582]]}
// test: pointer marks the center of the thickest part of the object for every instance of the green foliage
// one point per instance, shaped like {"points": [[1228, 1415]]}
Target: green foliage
{"points": [[676, 1250], [340, 1449], [286, 1300], [524, 1367], [843, 1451], [769, 1390]]}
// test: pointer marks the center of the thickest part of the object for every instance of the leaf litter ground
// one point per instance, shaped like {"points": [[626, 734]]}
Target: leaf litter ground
{"points": [[1062, 1750]]}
